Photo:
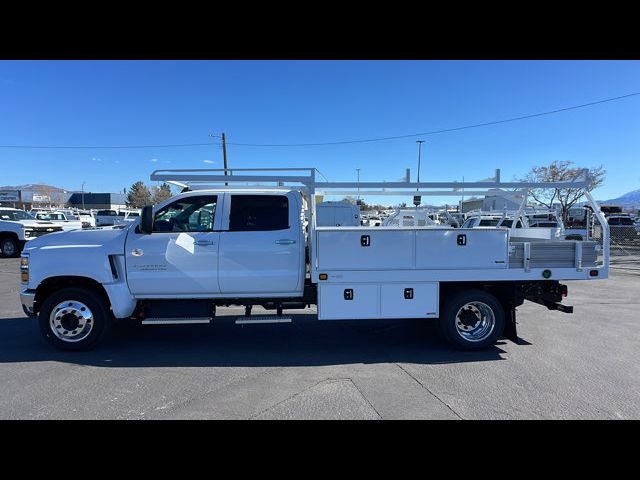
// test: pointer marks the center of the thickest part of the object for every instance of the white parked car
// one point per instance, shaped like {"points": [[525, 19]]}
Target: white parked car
{"points": [[17, 227]]}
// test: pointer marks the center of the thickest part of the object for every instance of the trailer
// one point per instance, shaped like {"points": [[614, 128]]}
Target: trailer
{"points": [[230, 238]]}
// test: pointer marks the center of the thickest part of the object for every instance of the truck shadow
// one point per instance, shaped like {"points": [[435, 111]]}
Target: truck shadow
{"points": [[306, 342]]}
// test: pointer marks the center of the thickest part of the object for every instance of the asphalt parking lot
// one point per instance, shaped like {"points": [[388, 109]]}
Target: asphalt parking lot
{"points": [[580, 366]]}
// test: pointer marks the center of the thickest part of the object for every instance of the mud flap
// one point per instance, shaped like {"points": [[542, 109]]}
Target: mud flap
{"points": [[510, 326]]}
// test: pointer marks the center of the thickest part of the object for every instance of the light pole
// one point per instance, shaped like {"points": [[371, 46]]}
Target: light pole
{"points": [[358, 170], [83, 195]]}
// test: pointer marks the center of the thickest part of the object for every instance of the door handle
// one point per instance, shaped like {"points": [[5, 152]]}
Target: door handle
{"points": [[203, 242], [285, 242]]}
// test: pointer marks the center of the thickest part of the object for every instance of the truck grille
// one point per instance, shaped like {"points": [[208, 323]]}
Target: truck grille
{"points": [[39, 231]]}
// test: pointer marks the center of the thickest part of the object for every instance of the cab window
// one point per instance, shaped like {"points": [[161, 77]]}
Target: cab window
{"points": [[250, 213], [191, 214]]}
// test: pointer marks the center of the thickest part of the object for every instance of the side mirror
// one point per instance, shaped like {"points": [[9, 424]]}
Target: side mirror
{"points": [[146, 220]]}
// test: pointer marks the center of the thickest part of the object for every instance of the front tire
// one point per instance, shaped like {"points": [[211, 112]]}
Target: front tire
{"points": [[74, 319], [472, 320], [9, 247]]}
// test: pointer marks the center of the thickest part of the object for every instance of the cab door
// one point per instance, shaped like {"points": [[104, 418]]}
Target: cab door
{"points": [[262, 245], [180, 257]]}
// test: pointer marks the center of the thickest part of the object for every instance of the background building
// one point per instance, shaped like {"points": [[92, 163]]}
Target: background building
{"points": [[40, 196], [111, 201], [493, 201]]}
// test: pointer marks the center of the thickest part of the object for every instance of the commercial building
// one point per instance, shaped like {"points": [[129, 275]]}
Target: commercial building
{"points": [[493, 201], [98, 201], [31, 196]]}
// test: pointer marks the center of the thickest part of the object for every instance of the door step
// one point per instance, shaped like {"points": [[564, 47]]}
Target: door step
{"points": [[175, 321], [262, 319]]}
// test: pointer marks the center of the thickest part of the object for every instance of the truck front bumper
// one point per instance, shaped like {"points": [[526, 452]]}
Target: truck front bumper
{"points": [[27, 298]]}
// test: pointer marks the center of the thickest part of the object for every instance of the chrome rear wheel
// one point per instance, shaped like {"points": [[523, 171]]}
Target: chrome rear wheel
{"points": [[471, 319], [475, 321]]}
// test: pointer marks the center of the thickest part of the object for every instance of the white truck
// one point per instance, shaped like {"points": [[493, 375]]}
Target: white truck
{"points": [[108, 218], [18, 227], [61, 219], [222, 243], [337, 214]]}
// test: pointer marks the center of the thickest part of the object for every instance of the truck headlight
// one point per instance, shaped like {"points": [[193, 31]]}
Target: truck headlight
{"points": [[27, 232], [24, 269]]}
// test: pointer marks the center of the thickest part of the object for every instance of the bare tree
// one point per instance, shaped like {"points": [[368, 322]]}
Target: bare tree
{"points": [[560, 171]]}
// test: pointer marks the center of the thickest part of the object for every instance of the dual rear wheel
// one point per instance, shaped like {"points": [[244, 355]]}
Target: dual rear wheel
{"points": [[472, 319]]}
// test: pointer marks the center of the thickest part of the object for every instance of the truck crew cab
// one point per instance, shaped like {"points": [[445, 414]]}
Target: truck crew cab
{"points": [[215, 246]]}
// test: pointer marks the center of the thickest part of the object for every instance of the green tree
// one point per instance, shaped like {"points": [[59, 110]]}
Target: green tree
{"points": [[161, 193], [562, 171], [138, 196]]}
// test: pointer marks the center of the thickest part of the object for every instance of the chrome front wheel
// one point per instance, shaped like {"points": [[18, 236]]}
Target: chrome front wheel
{"points": [[71, 321], [75, 318]]}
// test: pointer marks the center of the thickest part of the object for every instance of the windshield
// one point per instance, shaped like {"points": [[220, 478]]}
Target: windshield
{"points": [[50, 216], [509, 223], [489, 222], [468, 223], [14, 215]]}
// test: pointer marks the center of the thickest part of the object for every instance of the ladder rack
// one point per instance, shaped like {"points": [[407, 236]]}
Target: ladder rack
{"points": [[306, 177]]}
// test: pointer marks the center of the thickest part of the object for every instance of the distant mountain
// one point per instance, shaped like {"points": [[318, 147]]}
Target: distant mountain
{"points": [[34, 186], [628, 200]]}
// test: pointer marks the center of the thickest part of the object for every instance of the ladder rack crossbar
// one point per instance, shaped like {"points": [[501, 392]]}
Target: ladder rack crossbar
{"points": [[190, 177]]}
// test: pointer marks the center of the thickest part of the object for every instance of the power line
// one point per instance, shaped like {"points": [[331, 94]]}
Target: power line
{"points": [[108, 146], [344, 142], [433, 132]]}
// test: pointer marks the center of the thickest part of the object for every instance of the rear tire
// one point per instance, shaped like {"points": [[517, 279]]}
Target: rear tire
{"points": [[472, 320], [74, 319], [9, 247]]}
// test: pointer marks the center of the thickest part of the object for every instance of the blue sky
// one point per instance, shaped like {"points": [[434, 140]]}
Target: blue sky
{"points": [[166, 102]]}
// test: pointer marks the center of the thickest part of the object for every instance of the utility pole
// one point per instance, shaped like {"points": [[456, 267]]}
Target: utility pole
{"points": [[419, 142], [224, 152], [417, 200], [83, 195]]}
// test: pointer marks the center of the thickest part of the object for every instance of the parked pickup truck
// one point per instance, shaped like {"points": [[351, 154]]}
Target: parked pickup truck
{"points": [[61, 219], [107, 218], [212, 247], [17, 227]]}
